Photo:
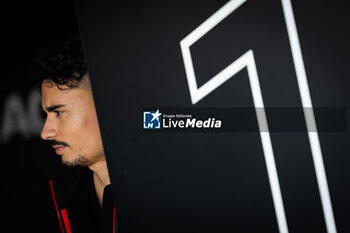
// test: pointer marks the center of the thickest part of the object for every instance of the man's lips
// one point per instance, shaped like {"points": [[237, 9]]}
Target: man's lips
{"points": [[59, 149]]}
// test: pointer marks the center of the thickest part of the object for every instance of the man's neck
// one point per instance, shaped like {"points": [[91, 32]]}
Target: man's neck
{"points": [[101, 178]]}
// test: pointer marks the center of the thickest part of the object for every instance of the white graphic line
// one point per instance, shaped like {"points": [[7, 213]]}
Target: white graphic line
{"points": [[246, 60], [309, 118], [185, 44]]}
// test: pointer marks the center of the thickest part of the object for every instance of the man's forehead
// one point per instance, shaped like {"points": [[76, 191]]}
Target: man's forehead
{"points": [[51, 90], [54, 95]]}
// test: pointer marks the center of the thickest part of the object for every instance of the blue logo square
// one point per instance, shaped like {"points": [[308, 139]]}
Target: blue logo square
{"points": [[152, 119]]}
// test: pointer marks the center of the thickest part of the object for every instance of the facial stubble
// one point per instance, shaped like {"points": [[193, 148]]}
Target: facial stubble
{"points": [[80, 161]]}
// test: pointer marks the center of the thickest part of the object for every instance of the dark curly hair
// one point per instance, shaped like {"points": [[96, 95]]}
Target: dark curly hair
{"points": [[63, 64]]}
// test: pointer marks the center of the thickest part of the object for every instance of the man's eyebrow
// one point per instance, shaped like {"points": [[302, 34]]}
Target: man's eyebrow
{"points": [[53, 107]]}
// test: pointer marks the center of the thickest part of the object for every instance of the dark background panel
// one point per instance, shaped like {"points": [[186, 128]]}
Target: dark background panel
{"points": [[27, 161], [214, 182]]}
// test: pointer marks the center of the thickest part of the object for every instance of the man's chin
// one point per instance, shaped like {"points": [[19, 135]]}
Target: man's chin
{"points": [[79, 161]]}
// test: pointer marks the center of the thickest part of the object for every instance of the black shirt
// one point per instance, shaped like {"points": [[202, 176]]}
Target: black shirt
{"points": [[78, 209]]}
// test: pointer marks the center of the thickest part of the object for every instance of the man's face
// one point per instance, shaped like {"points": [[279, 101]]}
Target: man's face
{"points": [[71, 125]]}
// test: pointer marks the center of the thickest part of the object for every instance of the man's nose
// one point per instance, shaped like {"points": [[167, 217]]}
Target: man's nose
{"points": [[49, 130]]}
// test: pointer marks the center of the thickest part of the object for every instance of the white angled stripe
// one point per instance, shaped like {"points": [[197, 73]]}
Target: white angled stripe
{"points": [[309, 116], [246, 60]]}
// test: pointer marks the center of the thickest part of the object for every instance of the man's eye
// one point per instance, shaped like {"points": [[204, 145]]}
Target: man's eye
{"points": [[58, 113]]}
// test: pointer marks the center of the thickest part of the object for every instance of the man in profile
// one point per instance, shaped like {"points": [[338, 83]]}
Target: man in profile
{"points": [[82, 195]]}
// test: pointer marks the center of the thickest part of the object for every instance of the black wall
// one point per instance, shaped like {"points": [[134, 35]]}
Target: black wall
{"points": [[215, 182], [27, 162]]}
